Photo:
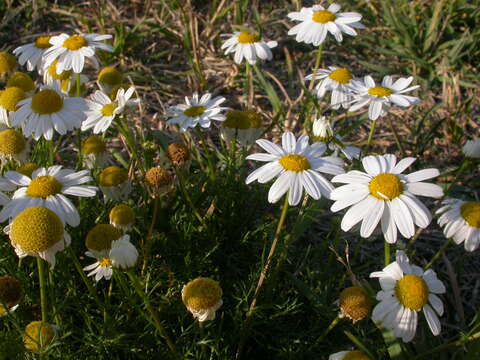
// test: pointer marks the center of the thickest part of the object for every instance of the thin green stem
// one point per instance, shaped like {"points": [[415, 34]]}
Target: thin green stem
{"points": [[43, 289], [439, 253], [327, 330], [370, 136], [148, 242], [188, 199], [318, 59], [449, 345], [208, 154], [249, 91], [79, 133], [395, 135], [386, 252]]}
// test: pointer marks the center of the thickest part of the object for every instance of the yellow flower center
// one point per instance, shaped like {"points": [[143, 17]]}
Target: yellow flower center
{"points": [[11, 142], [356, 355], [248, 119], [471, 213], [108, 109], [44, 186], [21, 80], [75, 42], [380, 91], [7, 62], [101, 237], [112, 176], [248, 38], [194, 111], [10, 291], [27, 169], [52, 71], [36, 229], [201, 294], [105, 262], [46, 102], [38, 335], [294, 162], [385, 186], [110, 76], [93, 145], [178, 153], [42, 42], [122, 215], [323, 16], [355, 303], [10, 97], [341, 75], [412, 292]]}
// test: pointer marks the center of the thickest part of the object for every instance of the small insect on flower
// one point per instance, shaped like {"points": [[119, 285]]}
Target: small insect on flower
{"points": [[196, 111], [23, 81], [114, 183], [108, 78], [406, 290], [323, 132], [383, 194], [32, 53], [39, 335], [355, 303], [381, 98], [9, 100], [13, 147], [471, 149], [316, 23], [243, 126], [248, 45], [297, 165], [122, 217], [94, 152], [349, 355], [336, 80], [202, 297], [461, 221], [8, 63], [11, 294]]}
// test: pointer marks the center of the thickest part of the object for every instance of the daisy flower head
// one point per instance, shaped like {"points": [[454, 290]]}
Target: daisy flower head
{"points": [[39, 335], [197, 111], [322, 131], [178, 154], [114, 183], [124, 254], [11, 293], [71, 51], [316, 23], [101, 269], [336, 80], [383, 194], [461, 221], [9, 101], [38, 231], [47, 111], [100, 238], [471, 149], [297, 165], [202, 297], [8, 63], [13, 147], [47, 187], [32, 53], [122, 217], [23, 81], [109, 78], [381, 98], [406, 290], [349, 355], [94, 152], [355, 303], [158, 180], [248, 45], [244, 126]]}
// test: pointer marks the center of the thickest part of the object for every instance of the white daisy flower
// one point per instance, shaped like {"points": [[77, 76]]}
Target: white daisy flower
{"points": [[349, 355], [382, 97], [406, 290], [5, 185], [248, 45], [49, 110], [322, 131], [316, 22], [472, 148], [38, 231], [48, 187], [114, 183], [202, 297], [102, 110], [297, 165], [9, 100], [336, 80], [243, 126], [383, 194], [94, 152], [71, 51], [13, 147], [196, 111], [461, 221], [101, 269], [32, 53], [122, 217]]}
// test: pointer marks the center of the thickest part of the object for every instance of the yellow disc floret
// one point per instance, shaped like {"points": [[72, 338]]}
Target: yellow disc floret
{"points": [[122, 214], [237, 119], [201, 294], [112, 176], [105, 262], [108, 109], [412, 292], [323, 16], [46, 102], [10, 97], [52, 71], [38, 335], [101, 237], [341, 75], [248, 38], [42, 42], [110, 76], [158, 177], [194, 111], [294, 162], [21, 80], [44, 186], [380, 91], [470, 212], [385, 186], [10, 291], [356, 355], [27, 169], [11, 142], [93, 145], [178, 153], [75, 42], [7, 62], [36, 229], [355, 303]]}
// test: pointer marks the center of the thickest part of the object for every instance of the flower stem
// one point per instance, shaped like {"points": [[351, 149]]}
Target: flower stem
{"points": [[43, 289], [386, 251], [317, 66], [148, 242], [208, 154], [79, 133], [249, 85], [439, 252], [327, 330], [446, 346], [370, 136], [188, 199]]}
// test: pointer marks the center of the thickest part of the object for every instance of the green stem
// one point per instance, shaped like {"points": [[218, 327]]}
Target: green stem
{"points": [[208, 154], [79, 133], [187, 197], [249, 85], [438, 253], [317, 66], [327, 330], [395, 135], [201, 327], [370, 136], [43, 289], [148, 242], [386, 251], [449, 345]]}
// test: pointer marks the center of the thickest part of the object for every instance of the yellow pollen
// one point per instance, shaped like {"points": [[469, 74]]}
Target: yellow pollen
{"points": [[75, 42], [385, 186], [412, 292], [194, 111], [248, 38], [112, 176], [356, 355], [93, 145], [108, 109], [355, 303], [10, 97], [46, 102], [42, 42], [470, 211], [110, 76], [7, 62], [10, 291], [380, 91], [237, 119], [52, 71], [27, 169], [44, 186], [21, 80], [105, 262], [341, 75], [101, 237], [294, 162], [11, 142], [201, 294], [323, 16], [36, 229], [38, 335], [122, 214]]}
